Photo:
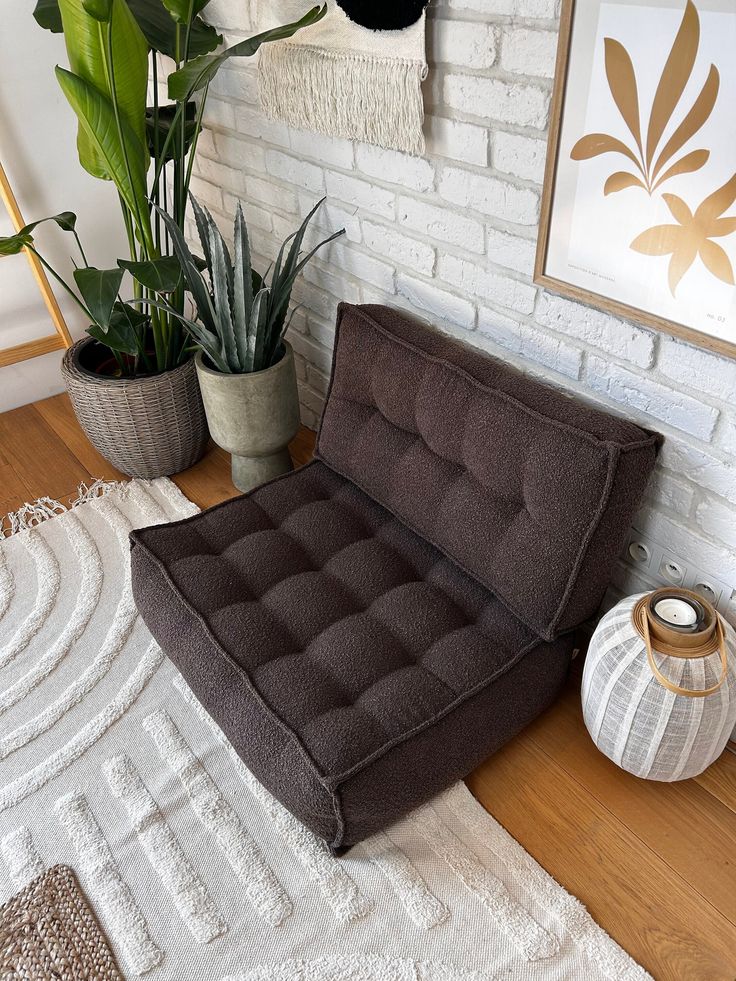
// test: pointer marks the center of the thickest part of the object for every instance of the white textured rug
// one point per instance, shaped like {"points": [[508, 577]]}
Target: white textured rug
{"points": [[108, 764]]}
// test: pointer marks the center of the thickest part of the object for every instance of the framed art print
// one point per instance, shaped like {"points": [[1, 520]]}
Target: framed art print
{"points": [[639, 206]]}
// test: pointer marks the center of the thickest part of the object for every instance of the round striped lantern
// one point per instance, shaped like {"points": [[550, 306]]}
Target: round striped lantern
{"points": [[659, 685]]}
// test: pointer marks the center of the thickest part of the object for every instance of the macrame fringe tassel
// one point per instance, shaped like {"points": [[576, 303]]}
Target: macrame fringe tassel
{"points": [[352, 96], [34, 514]]}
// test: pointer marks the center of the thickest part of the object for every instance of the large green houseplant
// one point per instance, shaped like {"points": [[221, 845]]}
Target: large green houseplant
{"points": [[138, 353]]}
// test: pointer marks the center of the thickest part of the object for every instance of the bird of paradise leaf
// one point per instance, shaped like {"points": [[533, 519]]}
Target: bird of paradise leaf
{"points": [[622, 82], [693, 235]]}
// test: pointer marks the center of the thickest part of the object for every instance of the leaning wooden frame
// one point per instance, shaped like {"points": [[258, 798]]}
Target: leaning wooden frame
{"points": [[61, 338]]}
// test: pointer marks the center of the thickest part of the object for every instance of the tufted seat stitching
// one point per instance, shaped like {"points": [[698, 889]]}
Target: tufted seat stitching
{"points": [[485, 388], [416, 661], [363, 611], [461, 565], [548, 635], [333, 782], [359, 610], [217, 646], [323, 779], [463, 471], [330, 782], [332, 681], [622, 438]]}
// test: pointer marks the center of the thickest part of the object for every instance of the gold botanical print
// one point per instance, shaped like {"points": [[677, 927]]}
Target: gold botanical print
{"points": [[648, 165], [693, 235]]}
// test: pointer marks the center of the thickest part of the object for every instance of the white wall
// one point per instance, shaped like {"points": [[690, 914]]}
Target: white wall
{"points": [[452, 236], [38, 152]]}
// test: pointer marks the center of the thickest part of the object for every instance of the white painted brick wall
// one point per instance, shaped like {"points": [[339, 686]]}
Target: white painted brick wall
{"points": [[452, 237]]}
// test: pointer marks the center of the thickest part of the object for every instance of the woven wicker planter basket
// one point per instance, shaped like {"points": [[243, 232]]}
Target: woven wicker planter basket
{"points": [[147, 427]]}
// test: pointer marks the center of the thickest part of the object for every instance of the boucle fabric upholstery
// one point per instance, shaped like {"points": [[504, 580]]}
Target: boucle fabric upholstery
{"points": [[353, 663], [529, 490]]}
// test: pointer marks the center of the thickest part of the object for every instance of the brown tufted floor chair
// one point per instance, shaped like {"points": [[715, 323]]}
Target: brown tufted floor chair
{"points": [[366, 630]]}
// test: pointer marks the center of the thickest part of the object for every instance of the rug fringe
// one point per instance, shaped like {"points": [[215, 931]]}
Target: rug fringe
{"points": [[348, 95], [35, 513]]}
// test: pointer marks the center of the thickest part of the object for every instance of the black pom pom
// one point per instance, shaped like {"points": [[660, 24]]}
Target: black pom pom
{"points": [[384, 15]]}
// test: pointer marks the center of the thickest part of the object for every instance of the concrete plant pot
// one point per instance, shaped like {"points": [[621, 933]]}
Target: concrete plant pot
{"points": [[253, 416]]}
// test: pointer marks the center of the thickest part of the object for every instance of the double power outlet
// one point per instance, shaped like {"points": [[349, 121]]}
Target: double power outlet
{"points": [[663, 567]]}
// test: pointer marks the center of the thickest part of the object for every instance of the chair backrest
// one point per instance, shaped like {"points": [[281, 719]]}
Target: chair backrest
{"points": [[529, 490]]}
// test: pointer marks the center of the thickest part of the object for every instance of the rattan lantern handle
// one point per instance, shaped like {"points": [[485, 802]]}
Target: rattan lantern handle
{"points": [[693, 653]]}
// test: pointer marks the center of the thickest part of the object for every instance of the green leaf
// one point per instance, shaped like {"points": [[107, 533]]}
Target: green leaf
{"points": [[97, 120], [115, 339], [283, 279], [221, 295], [184, 10], [205, 224], [165, 116], [101, 10], [13, 244], [99, 289], [86, 47], [200, 71], [127, 314], [203, 229], [125, 332], [192, 276], [48, 16], [257, 336], [160, 30], [159, 275], [242, 285], [281, 292], [207, 339], [153, 19], [66, 220]]}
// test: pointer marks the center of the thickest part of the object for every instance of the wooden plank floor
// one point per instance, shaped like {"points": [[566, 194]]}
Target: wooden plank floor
{"points": [[654, 863]]}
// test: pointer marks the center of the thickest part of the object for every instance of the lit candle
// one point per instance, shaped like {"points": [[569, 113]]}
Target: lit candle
{"points": [[677, 612]]}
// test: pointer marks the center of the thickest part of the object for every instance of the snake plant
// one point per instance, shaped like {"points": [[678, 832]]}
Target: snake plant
{"points": [[241, 316]]}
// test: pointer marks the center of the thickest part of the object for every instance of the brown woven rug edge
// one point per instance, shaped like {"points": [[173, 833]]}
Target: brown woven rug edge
{"points": [[48, 932]]}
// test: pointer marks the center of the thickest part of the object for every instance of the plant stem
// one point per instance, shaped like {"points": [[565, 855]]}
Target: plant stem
{"points": [[131, 242], [79, 246], [166, 209], [62, 283], [147, 245], [129, 229], [183, 138], [154, 189], [195, 138], [143, 227], [167, 142]]}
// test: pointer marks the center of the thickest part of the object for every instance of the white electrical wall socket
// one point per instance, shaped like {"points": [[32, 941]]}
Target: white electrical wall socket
{"points": [[660, 566]]}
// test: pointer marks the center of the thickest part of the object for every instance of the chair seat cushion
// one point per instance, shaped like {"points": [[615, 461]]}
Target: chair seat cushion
{"points": [[354, 667]]}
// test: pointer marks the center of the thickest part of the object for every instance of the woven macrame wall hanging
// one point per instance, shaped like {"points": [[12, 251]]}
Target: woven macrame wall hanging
{"points": [[356, 74]]}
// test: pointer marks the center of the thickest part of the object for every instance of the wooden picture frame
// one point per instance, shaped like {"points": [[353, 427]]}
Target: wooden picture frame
{"points": [[723, 345], [57, 341]]}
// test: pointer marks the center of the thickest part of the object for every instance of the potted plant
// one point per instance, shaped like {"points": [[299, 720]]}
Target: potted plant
{"points": [[244, 364], [132, 381]]}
